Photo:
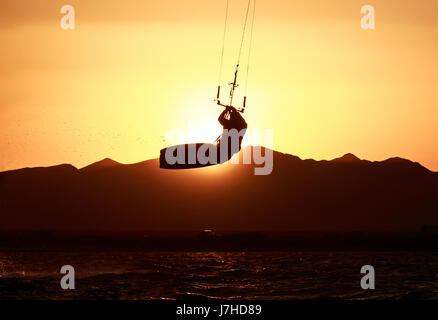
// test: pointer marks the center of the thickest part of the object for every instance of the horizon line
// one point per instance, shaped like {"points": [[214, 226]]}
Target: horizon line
{"points": [[248, 146]]}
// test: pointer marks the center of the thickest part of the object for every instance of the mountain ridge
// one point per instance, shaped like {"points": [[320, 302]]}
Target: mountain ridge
{"points": [[104, 163], [108, 162], [299, 195]]}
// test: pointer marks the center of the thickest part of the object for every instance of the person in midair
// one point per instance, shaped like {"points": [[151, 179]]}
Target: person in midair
{"points": [[231, 119]]}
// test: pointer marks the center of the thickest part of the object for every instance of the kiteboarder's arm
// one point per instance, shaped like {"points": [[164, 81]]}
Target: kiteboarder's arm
{"points": [[222, 120]]}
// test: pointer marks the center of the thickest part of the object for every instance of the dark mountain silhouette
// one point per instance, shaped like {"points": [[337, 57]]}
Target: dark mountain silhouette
{"points": [[344, 194], [349, 157], [105, 163]]}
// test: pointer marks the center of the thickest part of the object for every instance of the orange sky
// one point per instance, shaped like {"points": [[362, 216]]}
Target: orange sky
{"points": [[132, 70]]}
